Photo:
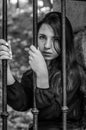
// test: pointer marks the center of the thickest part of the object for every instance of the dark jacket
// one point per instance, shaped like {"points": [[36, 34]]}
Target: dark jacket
{"points": [[49, 101]]}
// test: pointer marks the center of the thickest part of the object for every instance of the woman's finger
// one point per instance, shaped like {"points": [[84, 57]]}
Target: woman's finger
{"points": [[5, 54], [30, 58], [33, 48], [4, 48], [10, 49], [3, 42], [4, 57]]}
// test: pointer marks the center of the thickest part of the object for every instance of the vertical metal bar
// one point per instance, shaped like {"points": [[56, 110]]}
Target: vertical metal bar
{"points": [[4, 113], [64, 108], [35, 40], [17, 4]]}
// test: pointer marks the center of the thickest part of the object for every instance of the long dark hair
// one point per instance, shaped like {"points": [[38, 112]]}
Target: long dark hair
{"points": [[54, 20]]}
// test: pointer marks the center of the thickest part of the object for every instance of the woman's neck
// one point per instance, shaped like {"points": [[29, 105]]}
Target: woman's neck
{"points": [[47, 62]]}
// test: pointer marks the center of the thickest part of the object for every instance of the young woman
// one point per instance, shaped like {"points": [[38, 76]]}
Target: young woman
{"points": [[46, 62]]}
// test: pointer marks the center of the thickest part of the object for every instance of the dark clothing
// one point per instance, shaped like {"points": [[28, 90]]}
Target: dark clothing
{"points": [[49, 101]]}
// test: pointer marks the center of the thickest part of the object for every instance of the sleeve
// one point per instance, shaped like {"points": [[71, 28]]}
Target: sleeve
{"points": [[19, 95], [46, 97], [47, 104]]}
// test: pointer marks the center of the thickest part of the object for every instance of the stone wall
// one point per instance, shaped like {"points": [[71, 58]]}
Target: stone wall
{"points": [[75, 10]]}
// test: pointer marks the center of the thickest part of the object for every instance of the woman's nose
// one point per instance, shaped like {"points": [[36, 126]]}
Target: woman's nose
{"points": [[48, 44]]}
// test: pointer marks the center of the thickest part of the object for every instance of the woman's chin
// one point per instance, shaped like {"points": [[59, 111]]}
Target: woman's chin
{"points": [[47, 58]]}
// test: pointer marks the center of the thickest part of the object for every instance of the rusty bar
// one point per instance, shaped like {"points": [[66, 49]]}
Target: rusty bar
{"points": [[64, 108], [4, 113], [35, 40]]}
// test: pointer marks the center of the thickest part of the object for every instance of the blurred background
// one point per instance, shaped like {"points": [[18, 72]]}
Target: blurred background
{"points": [[20, 17]]}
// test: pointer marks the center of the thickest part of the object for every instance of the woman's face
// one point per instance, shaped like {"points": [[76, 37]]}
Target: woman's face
{"points": [[48, 42]]}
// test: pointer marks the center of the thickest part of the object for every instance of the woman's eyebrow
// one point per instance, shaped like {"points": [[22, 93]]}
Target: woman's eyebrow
{"points": [[42, 34], [56, 37]]}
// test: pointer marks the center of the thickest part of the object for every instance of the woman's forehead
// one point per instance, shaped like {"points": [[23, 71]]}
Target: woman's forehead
{"points": [[46, 29]]}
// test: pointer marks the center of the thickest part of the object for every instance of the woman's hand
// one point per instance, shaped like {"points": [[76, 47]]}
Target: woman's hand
{"points": [[6, 53], [36, 61], [38, 65], [5, 50]]}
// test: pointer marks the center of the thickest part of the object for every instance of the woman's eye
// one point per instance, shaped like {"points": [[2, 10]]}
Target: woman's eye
{"points": [[42, 38], [55, 39]]}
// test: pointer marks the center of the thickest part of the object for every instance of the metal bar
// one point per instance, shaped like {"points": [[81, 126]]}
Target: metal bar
{"points": [[4, 113], [35, 40], [64, 108], [79, 0], [17, 4]]}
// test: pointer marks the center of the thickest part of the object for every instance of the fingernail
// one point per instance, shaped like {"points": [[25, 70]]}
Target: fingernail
{"points": [[6, 44]]}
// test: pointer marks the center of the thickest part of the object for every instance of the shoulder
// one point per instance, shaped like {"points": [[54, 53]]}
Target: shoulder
{"points": [[27, 73], [27, 76]]}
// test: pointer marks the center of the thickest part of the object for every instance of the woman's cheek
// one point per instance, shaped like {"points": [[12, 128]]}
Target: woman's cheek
{"points": [[41, 47]]}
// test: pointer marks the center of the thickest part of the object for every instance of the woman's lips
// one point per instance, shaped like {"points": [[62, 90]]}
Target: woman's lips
{"points": [[46, 53]]}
